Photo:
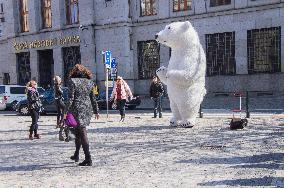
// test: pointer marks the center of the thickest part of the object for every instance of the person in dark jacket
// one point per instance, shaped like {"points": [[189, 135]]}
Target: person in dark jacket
{"points": [[34, 105], [59, 100], [82, 104], [61, 109], [156, 93]]}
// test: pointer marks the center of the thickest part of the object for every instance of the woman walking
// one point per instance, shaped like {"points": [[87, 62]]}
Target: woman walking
{"points": [[34, 105], [156, 93], [82, 104], [61, 108], [120, 94]]}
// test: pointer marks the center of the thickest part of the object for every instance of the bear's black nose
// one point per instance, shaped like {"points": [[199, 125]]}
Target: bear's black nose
{"points": [[156, 36]]}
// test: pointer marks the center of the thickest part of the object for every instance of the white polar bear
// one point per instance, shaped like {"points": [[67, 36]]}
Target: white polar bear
{"points": [[185, 75]]}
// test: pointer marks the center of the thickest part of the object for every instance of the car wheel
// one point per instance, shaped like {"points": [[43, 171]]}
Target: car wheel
{"points": [[131, 107], [24, 110]]}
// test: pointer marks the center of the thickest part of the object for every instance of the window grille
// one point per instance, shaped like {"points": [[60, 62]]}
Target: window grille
{"points": [[46, 14], [220, 54], [71, 57], [182, 5], [148, 7], [23, 68], [148, 58], [214, 3], [72, 11], [264, 50], [24, 15]]}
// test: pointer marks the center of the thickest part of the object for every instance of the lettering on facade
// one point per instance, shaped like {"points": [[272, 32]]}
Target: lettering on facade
{"points": [[46, 43]]}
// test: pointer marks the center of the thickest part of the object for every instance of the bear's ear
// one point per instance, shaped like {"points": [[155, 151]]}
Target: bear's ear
{"points": [[187, 25]]}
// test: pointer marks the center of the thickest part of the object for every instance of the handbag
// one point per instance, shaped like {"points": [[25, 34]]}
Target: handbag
{"points": [[70, 120], [114, 105]]}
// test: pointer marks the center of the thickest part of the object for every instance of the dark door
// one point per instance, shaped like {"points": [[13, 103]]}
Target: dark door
{"points": [[23, 68], [46, 68], [71, 57]]}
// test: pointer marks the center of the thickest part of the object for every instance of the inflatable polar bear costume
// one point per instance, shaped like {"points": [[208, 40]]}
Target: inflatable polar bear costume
{"points": [[185, 75]]}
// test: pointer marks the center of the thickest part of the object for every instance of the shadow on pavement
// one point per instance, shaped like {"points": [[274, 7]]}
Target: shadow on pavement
{"points": [[36, 167], [269, 161], [265, 181], [127, 129]]}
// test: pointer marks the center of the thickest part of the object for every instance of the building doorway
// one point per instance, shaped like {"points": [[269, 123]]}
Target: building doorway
{"points": [[23, 68], [71, 57], [46, 68]]}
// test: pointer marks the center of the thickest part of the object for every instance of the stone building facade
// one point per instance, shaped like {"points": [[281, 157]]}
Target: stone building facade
{"points": [[243, 40]]}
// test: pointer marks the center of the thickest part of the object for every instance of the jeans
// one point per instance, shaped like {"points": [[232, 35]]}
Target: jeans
{"points": [[81, 139], [60, 110], [121, 106], [157, 106], [34, 125]]}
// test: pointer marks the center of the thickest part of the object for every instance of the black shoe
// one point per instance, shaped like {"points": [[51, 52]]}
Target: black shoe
{"points": [[74, 158], [86, 163]]}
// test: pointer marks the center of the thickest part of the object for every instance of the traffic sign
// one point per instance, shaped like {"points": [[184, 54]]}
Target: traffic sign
{"points": [[113, 63], [108, 59]]}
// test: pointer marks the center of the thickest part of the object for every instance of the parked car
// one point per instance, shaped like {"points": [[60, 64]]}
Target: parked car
{"points": [[13, 94], [48, 102], [136, 101], [2, 103]]}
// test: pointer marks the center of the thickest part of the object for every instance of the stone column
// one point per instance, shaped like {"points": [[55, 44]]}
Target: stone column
{"points": [[58, 62], [34, 59], [241, 52]]}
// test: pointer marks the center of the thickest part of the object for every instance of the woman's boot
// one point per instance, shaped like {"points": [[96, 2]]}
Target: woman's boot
{"points": [[88, 160], [75, 157]]}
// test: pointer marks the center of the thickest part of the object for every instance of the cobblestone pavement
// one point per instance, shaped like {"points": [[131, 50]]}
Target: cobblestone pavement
{"points": [[145, 152]]}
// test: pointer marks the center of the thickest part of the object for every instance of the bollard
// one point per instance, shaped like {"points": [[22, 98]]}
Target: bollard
{"points": [[200, 112], [247, 105]]}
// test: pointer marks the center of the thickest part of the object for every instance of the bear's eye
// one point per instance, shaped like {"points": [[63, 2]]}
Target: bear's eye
{"points": [[169, 27]]}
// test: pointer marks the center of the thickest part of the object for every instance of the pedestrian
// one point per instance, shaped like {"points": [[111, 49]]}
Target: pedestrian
{"points": [[61, 108], [96, 90], [34, 105], [156, 94], [120, 94], [82, 104]]}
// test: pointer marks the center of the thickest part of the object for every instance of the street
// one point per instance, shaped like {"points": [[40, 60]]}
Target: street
{"points": [[145, 152]]}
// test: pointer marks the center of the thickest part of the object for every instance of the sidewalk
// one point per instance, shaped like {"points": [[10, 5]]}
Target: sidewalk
{"points": [[259, 104], [144, 152]]}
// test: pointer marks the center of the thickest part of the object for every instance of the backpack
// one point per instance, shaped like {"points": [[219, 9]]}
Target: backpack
{"points": [[238, 123]]}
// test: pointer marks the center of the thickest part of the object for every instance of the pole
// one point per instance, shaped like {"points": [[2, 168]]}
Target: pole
{"points": [[247, 105], [107, 91]]}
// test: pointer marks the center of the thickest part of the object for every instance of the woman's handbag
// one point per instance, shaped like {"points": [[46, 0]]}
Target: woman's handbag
{"points": [[70, 120]]}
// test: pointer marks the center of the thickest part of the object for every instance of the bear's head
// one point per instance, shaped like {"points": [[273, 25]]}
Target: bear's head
{"points": [[178, 35]]}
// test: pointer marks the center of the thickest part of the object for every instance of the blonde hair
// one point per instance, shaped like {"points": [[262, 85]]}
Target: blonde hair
{"points": [[57, 80], [30, 84]]}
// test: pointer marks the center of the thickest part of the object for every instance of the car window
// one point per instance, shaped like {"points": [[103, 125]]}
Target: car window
{"points": [[40, 90], [17, 90], [48, 93], [2, 89]]}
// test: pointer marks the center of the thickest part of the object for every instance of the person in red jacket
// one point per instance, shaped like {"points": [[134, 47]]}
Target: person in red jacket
{"points": [[120, 94]]}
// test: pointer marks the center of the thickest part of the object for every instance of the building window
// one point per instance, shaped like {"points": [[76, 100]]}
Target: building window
{"points": [[264, 50], [23, 68], [148, 58], [72, 11], [182, 5], [46, 14], [220, 54], [24, 15], [148, 7], [214, 3]]}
